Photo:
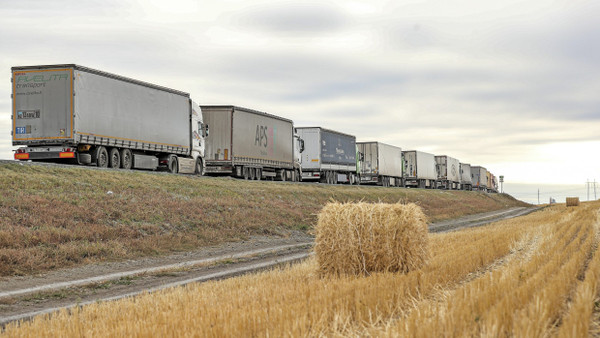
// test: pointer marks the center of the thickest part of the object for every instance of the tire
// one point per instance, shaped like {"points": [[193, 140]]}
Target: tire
{"points": [[126, 159], [173, 166], [114, 158], [258, 174], [245, 173], [323, 177], [283, 175], [101, 156], [199, 167]]}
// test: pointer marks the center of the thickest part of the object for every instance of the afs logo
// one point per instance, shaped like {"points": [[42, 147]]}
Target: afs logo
{"points": [[261, 139]]}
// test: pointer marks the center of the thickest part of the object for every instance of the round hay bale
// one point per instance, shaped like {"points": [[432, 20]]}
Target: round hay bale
{"points": [[362, 238]]}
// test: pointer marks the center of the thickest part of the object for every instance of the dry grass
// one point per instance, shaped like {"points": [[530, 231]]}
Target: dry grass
{"points": [[362, 238], [57, 217], [531, 276]]}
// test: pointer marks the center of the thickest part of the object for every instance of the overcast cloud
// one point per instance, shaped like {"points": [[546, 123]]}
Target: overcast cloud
{"points": [[510, 85]]}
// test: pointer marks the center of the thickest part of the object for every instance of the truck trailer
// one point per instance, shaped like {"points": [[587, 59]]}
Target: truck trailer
{"points": [[380, 164], [465, 177], [448, 172], [70, 113], [251, 144], [479, 178], [329, 156], [419, 169]]}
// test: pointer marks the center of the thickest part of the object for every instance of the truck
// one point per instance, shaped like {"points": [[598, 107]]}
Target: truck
{"points": [[329, 156], [492, 185], [448, 172], [419, 169], [251, 144], [465, 177], [479, 178], [380, 164], [71, 113]]}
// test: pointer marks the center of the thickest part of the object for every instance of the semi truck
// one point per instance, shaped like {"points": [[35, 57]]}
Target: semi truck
{"points": [[329, 156], [465, 177], [251, 144], [419, 169], [71, 113], [380, 164], [448, 172], [479, 178]]}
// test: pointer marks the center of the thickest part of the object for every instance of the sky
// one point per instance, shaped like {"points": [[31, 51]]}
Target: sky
{"points": [[509, 85]]}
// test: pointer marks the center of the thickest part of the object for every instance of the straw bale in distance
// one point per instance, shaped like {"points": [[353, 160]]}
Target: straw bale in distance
{"points": [[361, 238], [572, 201]]}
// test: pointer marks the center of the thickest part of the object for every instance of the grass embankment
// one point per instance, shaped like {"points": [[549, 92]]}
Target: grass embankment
{"points": [[54, 217], [533, 276]]}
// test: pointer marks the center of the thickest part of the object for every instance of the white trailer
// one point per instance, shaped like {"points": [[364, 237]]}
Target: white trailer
{"points": [[329, 156], [465, 177], [448, 172], [419, 169], [479, 178], [82, 115], [250, 144], [380, 164]]}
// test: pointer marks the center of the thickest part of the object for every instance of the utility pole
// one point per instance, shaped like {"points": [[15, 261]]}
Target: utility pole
{"points": [[587, 184], [538, 195], [595, 198]]}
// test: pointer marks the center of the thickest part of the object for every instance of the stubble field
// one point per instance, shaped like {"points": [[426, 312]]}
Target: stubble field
{"points": [[532, 276]]}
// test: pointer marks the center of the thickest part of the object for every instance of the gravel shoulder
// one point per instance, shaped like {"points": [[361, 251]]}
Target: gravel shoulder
{"points": [[24, 297]]}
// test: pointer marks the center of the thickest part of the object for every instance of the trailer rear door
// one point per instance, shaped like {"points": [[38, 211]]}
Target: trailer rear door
{"points": [[42, 105]]}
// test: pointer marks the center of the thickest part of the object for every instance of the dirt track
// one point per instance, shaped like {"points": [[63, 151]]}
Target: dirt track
{"points": [[25, 297]]}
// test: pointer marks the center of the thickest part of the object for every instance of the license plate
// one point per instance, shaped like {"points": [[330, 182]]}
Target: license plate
{"points": [[28, 114]]}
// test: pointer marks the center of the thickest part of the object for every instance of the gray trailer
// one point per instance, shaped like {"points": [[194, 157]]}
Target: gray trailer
{"points": [[479, 178], [448, 172], [82, 115], [419, 169], [250, 144], [329, 156], [465, 177], [380, 164]]}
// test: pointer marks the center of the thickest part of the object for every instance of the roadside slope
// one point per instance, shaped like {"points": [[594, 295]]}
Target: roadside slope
{"points": [[53, 217]]}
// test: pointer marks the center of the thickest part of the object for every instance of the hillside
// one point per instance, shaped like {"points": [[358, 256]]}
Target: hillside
{"points": [[54, 217]]}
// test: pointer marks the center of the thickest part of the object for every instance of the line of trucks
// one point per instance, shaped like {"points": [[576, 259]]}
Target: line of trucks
{"points": [[75, 114]]}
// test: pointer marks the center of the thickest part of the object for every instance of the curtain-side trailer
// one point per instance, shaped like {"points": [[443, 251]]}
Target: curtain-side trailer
{"points": [[78, 114], [251, 144], [329, 156], [380, 164]]}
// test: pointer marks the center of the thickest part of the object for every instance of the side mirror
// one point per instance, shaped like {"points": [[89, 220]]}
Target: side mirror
{"points": [[301, 145], [205, 130]]}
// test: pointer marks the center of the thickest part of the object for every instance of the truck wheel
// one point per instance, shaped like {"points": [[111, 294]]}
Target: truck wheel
{"points": [[114, 158], [245, 173], [101, 157], [173, 167], [283, 175], [126, 159], [258, 174], [199, 167]]}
